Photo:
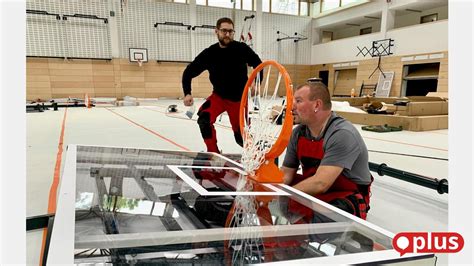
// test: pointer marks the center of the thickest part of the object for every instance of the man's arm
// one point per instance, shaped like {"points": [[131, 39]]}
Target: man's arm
{"points": [[254, 60], [290, 162], [321, 181], [194, 69], [288, 174]]}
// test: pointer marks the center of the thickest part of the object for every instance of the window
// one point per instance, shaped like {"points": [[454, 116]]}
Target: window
{"points": [[429, 18], [365, 31], [180, 1], [223, 3], [304, 11], [346, 2], [285, 7], [265, 6], [201, 2], [247, 4], [329, 4]]}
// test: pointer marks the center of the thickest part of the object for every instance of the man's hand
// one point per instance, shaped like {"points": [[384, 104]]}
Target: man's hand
{"points": [[188, 100], [321, 181]]}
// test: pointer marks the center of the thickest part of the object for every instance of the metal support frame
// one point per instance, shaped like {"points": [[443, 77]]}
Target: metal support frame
{"points": [[106, 21], [377, 50], [298, 37], [170, 23], [439, 185], [203, 27], [38, 222], [378, 68], [41, 107], [42, 12]]}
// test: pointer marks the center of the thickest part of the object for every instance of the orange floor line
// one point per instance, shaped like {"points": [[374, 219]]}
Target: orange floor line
{"points": [[151, 131], [54, 186]]}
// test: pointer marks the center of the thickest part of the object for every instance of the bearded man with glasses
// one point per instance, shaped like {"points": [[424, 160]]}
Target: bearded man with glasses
{"points": [[227, 62]]}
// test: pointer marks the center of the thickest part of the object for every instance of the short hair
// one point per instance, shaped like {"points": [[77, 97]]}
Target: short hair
{"points": [[224, 20], [318, 90]]}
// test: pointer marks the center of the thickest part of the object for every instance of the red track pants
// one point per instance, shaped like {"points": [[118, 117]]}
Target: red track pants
{"points": [[208, 113]]}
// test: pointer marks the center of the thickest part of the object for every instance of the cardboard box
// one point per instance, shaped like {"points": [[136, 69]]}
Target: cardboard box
{"points": [[425, 99], [353, 101], [443, 95], [424, 109], [360, 101], [411, 123], [395, 108]]}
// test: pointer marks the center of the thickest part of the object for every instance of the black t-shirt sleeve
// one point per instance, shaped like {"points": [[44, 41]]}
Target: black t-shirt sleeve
{"points": [[252, 58], [194, 69]]}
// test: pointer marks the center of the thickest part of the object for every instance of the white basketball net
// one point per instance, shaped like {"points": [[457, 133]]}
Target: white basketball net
{"points": [[260, 133], [260, 127], [247, 247]]}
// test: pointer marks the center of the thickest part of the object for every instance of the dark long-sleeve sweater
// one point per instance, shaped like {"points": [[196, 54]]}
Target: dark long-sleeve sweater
{"points": [[227, 69]]}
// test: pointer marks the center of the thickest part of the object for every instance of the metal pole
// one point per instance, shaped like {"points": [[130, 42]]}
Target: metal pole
{"points": [[439, 185]]}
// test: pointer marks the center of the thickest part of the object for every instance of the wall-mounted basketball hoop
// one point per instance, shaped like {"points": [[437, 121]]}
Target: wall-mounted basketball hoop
{"points": [[138, 55]]}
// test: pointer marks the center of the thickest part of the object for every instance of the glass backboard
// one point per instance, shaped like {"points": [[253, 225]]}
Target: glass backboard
{"points": [[140, 206]]}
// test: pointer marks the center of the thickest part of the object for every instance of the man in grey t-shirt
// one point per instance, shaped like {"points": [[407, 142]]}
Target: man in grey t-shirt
{"points": [[331, 151]]}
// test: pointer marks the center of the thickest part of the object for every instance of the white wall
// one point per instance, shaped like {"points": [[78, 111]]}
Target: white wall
{"points": [[417, 39], [342, 50], [352, 31], [350, 13], [414, 18], [423, 38], [134, 28]]}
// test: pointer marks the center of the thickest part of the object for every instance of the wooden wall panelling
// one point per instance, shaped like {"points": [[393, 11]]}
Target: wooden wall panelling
{"points": [[38, 84], [117, 79], [346, 80], [72, 78], [50, 78], [104, 83], [299, 74], [326, 67], [390, 63]]}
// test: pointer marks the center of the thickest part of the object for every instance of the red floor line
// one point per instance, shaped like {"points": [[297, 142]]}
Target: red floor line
{"points": [[151, 131], [409, 144], [54, 186]]}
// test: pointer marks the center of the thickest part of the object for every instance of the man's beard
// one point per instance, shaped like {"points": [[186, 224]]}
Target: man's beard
{"points": [[223, 41], [296, 120]]}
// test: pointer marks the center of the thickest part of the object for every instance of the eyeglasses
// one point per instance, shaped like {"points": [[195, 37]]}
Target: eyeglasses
{"points": [[230, 31]]}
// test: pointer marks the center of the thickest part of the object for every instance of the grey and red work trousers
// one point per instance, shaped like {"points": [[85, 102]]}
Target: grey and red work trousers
{"points": [[208, 113]]}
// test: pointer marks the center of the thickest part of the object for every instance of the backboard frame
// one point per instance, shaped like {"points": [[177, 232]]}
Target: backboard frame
{"points": [[63, 239]]}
